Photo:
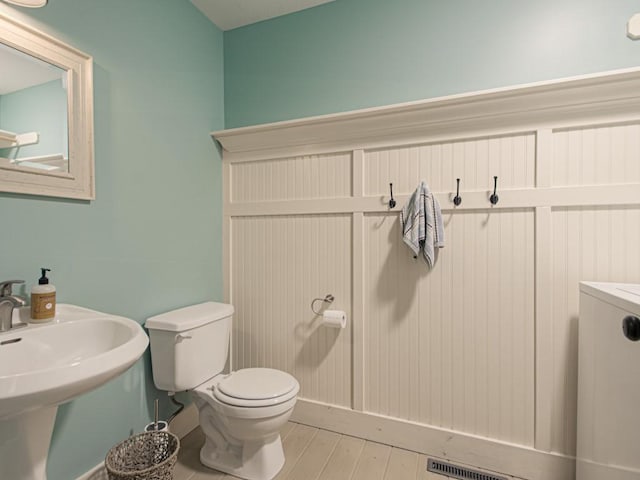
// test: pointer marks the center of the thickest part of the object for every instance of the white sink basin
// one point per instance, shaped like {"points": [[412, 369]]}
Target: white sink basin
{"points": [[44, 365], [48, 364]]}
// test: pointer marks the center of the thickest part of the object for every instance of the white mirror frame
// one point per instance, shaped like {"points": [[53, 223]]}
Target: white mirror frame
{"points": [[79, 181]]}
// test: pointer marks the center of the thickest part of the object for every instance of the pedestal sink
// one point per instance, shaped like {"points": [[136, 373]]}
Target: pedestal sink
{"points": [[44, 365]]}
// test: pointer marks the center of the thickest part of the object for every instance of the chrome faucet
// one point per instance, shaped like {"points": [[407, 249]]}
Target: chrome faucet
{"points": [[9, 301]]}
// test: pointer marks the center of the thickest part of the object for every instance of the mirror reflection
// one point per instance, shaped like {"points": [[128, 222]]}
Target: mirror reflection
{"points": [[33, 113]]}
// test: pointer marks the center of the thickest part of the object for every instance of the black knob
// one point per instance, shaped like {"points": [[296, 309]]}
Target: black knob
{"points": [[631, 328]]}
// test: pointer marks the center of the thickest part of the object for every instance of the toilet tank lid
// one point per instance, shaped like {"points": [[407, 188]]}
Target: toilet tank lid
{"points": [[189, 317]]}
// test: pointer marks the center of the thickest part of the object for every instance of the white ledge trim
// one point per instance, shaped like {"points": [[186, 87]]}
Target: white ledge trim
{"points": [[605, 96]]}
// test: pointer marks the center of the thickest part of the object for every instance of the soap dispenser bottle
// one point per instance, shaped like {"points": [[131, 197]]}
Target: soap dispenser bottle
{"points": [[43, 299]]}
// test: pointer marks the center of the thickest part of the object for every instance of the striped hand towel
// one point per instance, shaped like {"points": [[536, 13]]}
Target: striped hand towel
{"points": [[422, 227]]}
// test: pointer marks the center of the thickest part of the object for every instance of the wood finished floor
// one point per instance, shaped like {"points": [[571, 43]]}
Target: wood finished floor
{"points": [[316, 454]]}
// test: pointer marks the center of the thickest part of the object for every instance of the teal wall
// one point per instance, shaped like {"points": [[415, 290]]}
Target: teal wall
{"points": [[352, 54], [151, 241], [42, 109]]}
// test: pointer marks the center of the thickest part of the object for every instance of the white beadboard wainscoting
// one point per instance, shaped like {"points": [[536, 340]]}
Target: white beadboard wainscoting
{"points": [[475, 360]]}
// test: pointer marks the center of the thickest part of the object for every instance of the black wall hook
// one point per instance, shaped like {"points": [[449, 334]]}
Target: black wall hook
{"points": [[457, 200], [494, 198], [392, 202]]}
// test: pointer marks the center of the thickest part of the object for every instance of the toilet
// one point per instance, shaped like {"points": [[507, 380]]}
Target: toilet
{"points": [[241, 413]]}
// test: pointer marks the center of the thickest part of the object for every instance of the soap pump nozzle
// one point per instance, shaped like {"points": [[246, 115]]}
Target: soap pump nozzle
{"points": [[43, 280]]}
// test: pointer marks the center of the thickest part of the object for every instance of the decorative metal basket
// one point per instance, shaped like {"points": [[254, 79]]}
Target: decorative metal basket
{"points": [[146, 456]]}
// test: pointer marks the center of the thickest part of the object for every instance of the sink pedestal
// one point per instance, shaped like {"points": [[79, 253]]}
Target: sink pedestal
{"points": [[24, 444]]}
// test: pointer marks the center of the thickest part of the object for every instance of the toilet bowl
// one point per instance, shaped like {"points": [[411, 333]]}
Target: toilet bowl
{"points": [[240, 413], [243, 434]]}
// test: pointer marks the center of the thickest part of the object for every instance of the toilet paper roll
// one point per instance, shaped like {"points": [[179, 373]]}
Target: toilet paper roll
{"points": [[334, 319]]}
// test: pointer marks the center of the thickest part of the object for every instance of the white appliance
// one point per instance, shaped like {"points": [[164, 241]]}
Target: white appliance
{"points": [[608, 442]]}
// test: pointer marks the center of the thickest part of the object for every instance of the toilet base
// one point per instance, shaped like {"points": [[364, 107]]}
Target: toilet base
{"points": [[257, 461]]}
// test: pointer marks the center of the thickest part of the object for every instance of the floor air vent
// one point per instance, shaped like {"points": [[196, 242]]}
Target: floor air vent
{"points": [[456, 471]]}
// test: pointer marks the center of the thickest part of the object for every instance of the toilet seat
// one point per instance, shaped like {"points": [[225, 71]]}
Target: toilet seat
{"points": [[254, 387]]}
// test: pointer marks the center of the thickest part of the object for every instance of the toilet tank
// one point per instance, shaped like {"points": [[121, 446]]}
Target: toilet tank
{"points": [[189, 345]]}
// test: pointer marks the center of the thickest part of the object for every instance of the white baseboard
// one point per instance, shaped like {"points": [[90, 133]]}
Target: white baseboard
{"points": [[180, 426], [502, 457]]}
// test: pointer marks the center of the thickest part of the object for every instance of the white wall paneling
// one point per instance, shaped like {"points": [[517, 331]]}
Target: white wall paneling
{"points": [[453, 347], [226, 231], [479, 353], [358, 259], [599, 244], [597, 155], [475, 161], [279, 265], [312, 176]]}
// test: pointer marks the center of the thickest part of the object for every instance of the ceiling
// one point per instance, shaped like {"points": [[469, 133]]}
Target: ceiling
{"points": [[229, 14]]}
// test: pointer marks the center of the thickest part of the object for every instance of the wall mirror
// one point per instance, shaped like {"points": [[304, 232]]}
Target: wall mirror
{"points": [[46, 114]]}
